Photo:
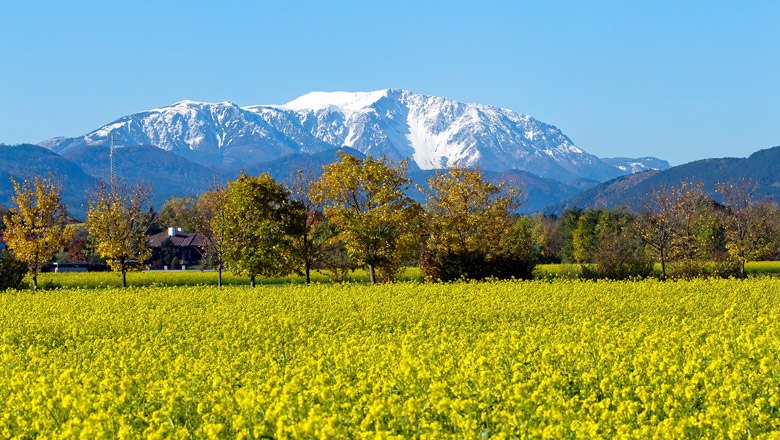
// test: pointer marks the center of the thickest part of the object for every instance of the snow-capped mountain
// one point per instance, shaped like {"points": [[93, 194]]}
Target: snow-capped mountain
{"points": [[434, 132], [631, 165]]}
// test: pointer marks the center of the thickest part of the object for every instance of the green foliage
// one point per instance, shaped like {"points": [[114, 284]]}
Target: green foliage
{"points": [[567, 224], [11, 271], [257, 217], [546, 237], [211, 223], [312, 236], [619, 253], [179, 212], [167, 252], [690, 269], [585, 236]]}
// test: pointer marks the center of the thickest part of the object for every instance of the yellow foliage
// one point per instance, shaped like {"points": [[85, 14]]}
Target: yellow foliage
{"points": [[366, 200], [118, 223], [566, 359], [467, 213], [36, 227]]}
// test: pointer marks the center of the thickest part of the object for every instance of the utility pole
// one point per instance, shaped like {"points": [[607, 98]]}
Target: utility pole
{"points": [[113, 138]]}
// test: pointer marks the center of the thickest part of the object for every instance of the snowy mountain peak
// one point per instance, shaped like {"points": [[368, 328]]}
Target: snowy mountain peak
{"points": [[435, 132], [189, 105], [342, 101]]}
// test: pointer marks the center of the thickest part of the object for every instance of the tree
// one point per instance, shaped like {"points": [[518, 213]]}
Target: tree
{"points": [[470, 224], [366, 201], [691, 222], [36, 229], [585, 237], [258, 214], [179, 212], [78, 247], [309, 231], [656, 223], [118, 222], [546, 236], [168, 253], [677, 224], [750, 226], [570, 217], [620, 253], [4, 212], [334, 258], [209, 221]]}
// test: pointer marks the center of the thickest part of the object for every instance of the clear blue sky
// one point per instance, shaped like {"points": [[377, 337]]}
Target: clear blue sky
{"points": [[678, 80]]}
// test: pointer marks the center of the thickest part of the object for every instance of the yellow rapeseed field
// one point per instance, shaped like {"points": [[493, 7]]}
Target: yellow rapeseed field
{"points": [[479, 360]]}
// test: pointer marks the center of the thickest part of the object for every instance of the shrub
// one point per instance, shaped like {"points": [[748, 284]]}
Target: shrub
{"points": [[619, 255], [476, 266], [12, 271], [689, 269]]}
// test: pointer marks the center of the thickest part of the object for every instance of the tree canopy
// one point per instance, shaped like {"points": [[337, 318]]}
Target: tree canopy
{"points": [[36, 229], [118, 222], [367, 202]]}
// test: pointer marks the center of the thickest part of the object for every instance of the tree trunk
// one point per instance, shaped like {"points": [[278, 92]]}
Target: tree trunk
{"points": [[252, 281], [742, 268], [219, 276], [371, 275], [308, 271], [663, 266], [124, 278], [35, 280]]}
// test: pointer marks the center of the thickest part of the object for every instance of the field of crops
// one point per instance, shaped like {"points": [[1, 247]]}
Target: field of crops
{"points": [[538, 359], [102, 280]]}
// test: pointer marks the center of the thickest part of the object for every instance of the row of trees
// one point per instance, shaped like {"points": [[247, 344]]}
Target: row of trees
{"points": [[678, 226], [358, 214]]}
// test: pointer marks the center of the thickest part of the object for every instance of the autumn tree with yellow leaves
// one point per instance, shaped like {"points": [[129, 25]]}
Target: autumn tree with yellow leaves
{"points": [[36, 228], [365, 199], [118, 222], [209, 220], [472, 233]]}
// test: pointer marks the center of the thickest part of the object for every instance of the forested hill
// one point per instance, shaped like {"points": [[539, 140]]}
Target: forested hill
{"points": [[762, 166], [25, 162], [171, 175]]}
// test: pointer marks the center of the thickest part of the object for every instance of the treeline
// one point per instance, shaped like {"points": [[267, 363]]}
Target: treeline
{"points": [[358, 214], [679, 227]]}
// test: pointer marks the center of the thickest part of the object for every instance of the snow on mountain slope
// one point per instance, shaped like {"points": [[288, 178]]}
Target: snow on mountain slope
{"points": [[631, 165], [434, 132], [211, 134]]}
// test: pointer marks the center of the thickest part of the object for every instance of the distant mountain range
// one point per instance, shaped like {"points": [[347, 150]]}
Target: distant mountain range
{"points": [[184, 148], [761, 166], [25, 162], [434, 132]]}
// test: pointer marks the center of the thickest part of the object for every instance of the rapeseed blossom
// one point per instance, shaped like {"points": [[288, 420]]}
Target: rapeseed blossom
{"points": [[465, 360]]}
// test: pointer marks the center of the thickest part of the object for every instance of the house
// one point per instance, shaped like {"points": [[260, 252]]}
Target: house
{"points": [[174, 243]]}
